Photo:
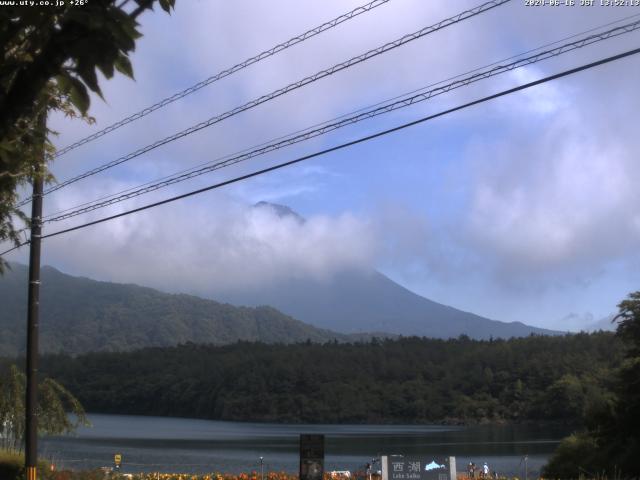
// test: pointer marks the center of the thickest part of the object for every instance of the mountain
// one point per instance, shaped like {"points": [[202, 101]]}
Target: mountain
{"points": [[282, 211], [606, 324], [368, 301], [357, 301], [81, 315]]}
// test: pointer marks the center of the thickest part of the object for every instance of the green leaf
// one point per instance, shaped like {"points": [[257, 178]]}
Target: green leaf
{"points": [[126, 24], [63, 82], [76, 91], [106, 67], [78, 95], [166, 5], [123, 65], [124, 32], [88, 74]]}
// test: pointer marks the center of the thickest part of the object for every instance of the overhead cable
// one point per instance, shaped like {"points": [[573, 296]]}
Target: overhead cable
{"points": [[335, 119], [281, 91], [225, 73], [328, 127], [342, 146]]}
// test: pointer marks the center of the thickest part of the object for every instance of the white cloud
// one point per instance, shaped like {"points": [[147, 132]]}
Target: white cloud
{"points": [[216, 244], [551, 173], [544, 99], [558, 196]]}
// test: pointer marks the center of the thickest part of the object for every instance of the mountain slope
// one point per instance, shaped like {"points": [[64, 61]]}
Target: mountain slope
{"points": [[367, 301], [81, 315], [357, 301]]}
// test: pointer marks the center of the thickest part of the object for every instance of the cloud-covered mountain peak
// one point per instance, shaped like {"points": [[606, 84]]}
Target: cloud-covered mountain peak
{"points": [[282, 211]]}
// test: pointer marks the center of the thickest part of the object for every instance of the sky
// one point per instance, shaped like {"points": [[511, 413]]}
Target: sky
{"points": [[524, 208]]}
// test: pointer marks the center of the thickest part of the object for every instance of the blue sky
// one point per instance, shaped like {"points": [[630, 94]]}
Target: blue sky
{"points": [[525, 208]]}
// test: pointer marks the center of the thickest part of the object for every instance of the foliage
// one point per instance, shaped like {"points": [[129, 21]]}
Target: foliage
{"points": [[414, 380], [629, 323], [96, 474], [214, 476], [577, 455], [220, 476], [12, 466], [610, 445], [54, 401], [49, 60], [78, 315]]}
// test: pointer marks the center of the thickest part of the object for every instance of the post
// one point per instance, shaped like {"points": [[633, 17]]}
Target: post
{"points": [[526, 471], [453, 472], [261, 468], [31, 420]]}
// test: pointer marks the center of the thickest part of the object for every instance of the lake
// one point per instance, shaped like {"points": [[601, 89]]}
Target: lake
{"points": [[202, 446]]}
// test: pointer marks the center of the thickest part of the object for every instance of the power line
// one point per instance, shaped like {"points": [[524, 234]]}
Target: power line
{"points": [[225, 73], [328, 127], [343, 145], [281, 91], [421, 89]]}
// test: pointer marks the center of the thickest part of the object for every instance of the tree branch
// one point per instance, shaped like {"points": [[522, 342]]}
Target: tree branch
{"points": [[142, 6]]}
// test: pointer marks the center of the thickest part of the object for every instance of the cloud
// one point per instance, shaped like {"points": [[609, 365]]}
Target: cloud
{"points": [[558, 196], [215, 244], [539, 193], [285, 187], [543, 100]]}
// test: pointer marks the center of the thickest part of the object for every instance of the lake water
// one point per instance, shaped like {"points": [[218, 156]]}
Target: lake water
{"points": [[202, 446]]}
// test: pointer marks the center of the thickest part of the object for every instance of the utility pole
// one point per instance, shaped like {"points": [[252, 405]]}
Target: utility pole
{"points": [[31, 424]]}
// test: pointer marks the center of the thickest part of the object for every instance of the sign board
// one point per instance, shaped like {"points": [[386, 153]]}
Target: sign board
{"points": [[117, 459], [311, 457], [400, 467]]}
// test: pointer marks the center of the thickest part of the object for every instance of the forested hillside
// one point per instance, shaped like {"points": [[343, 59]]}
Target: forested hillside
{"points": [[81, 315], [406, 380]]}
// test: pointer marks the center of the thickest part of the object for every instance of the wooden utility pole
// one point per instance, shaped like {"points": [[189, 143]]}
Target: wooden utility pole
{"points": [[33, 314]]}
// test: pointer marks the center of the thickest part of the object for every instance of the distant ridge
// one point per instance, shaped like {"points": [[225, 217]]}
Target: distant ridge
{"points": [[81, 315], [357, 301]]}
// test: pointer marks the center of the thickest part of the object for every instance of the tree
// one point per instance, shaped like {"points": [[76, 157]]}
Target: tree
{"points": [[625, 437], [54, 403], [611, 443], [629, 323], [50, 56]]}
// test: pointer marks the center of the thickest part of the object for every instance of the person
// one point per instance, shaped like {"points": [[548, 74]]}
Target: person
{"points": [[485, 470]]}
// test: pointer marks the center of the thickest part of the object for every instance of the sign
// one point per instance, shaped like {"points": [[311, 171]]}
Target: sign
{"points": [[117, 459], [400, 467], [311, 457]]}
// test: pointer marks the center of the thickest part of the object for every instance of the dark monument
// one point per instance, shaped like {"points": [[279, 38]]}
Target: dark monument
{"points": [[311, 457]]}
